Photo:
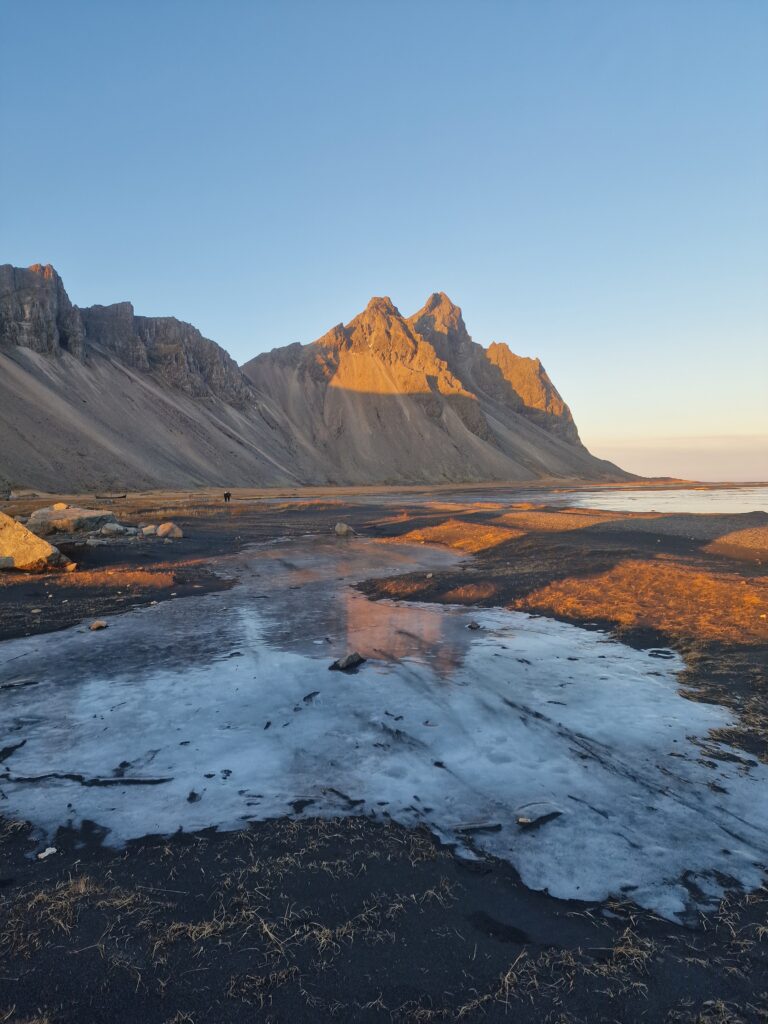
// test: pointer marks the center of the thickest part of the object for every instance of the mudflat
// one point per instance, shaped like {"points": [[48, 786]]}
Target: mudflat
{"points": [[356, 916]]}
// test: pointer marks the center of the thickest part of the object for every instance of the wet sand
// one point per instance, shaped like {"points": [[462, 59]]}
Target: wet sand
{"points": [[355, 919]]}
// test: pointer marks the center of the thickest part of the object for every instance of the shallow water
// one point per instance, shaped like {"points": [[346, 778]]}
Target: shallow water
{"points": [[716, 500], [723, 499], [221, 709]]}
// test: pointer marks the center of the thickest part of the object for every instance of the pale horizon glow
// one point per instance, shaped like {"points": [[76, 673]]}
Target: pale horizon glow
{"points": [[587, 181], [722, 459]]}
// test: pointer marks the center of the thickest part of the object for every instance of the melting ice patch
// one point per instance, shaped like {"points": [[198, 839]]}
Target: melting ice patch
{"points": [[568, 754]]}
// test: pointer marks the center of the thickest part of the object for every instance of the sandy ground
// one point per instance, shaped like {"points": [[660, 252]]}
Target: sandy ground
{"points": [[355, 921]]}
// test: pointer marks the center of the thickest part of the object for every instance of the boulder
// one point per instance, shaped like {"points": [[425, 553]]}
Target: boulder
{"points": [[149, 531], [170, 531], [22, 549], [112, 530], [44, 521], [347, 663], [59, 506], [343, 530], [98, 624]]}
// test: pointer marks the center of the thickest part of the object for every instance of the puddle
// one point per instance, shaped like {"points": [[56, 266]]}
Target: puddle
{"points": [[566, 753]]}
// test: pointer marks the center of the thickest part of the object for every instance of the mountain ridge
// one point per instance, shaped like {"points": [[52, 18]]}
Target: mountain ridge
{"points": [[99, 396]]}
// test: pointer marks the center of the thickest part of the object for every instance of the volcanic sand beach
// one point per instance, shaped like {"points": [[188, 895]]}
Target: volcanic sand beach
{"points": [[351, 918]]}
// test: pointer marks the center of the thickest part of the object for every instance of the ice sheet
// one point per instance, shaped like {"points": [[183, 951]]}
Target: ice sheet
{"points": [[221, 709]]}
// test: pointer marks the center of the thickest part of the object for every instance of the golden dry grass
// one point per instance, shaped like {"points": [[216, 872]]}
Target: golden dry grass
{"points": [[752, 542], [474, 537], [531, 521], [460, 535], [116, 578], [677, 599]]}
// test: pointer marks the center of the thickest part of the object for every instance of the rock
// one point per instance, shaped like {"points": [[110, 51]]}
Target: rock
{"points": [[44, 521], [70, 567], [35, 312], [22, 549], [59, 506], [149, 531], [343, 530], [112, 530], [20, 519], [96, 542], [47, 852], [98, 624], [170, 530], [531, 824], [479, 826], [347, 663], [474, 625]]}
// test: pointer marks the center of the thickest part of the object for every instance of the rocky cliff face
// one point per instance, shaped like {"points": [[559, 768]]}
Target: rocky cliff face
{"points": [[495, 373], [103, 397], [35, 312], [173, 350]]}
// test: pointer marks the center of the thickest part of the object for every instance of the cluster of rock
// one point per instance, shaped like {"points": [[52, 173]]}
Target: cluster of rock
{"points": [[24, 545]]}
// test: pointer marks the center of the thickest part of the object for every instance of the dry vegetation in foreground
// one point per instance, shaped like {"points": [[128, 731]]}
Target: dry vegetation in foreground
{"points": [[352, 921], [678, 599]]}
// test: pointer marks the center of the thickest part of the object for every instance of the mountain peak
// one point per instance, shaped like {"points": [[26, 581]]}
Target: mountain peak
{"points": [[439, 301], [440, 321], [382, 304]]}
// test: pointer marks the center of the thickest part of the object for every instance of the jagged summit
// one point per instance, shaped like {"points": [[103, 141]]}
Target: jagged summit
{"points": [[101, 396], [381, 304], [439, 304], [440, 321]]}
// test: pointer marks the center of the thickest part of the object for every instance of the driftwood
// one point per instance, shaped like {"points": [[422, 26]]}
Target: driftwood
{"points": [[109, 497]]}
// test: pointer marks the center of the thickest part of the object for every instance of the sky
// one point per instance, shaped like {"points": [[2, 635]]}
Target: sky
{"points": [[587, 179]]}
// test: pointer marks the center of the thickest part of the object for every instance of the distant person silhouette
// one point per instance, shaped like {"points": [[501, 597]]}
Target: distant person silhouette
{"points": [[227, 496]]}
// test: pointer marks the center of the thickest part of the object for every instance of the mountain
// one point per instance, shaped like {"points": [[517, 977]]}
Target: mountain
{"points": [[100, 398], [392, 398]]}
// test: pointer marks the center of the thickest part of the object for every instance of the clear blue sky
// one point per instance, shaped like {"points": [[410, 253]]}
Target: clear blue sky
{"points": [[588, 180]]}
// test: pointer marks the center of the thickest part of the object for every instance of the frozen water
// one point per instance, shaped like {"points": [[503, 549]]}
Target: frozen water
{"points": [[221, 709]]}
